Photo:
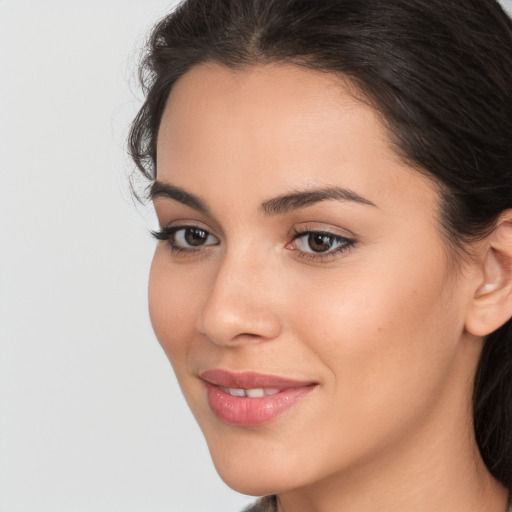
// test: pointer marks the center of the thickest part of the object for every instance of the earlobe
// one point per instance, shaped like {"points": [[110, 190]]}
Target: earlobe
{"points": [[491, 305]]}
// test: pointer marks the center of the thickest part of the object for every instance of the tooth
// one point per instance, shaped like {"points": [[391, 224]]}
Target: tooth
{"points": [[271, 391], [254, 393], [236, 392]]}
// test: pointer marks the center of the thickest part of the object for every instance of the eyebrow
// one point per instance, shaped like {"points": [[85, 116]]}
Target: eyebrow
{"points": [[159, 189], [303, 199], [276, 206]]}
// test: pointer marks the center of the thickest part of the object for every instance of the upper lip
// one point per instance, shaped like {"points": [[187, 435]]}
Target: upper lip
{"points": [[250, 380]]}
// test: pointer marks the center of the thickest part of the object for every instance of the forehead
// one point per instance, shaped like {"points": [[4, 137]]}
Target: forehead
{"points": [[284, 94], [281, 126]]}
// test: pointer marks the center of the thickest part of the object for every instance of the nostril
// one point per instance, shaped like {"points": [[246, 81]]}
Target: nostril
{"points": [[233, 326], [241, 304]]}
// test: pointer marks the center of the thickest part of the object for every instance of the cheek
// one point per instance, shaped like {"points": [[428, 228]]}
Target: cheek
{"points": [[174, 297], [386, 328]]}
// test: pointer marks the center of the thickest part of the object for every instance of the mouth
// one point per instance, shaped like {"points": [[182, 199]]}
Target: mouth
{"points": [[251, 393], [250, 399]]}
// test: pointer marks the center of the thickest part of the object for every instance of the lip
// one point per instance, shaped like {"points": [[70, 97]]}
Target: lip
{"points": [[244, 411]]}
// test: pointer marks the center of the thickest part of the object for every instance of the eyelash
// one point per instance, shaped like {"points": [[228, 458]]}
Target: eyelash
{"points": [[168, 234], [345, 244]]}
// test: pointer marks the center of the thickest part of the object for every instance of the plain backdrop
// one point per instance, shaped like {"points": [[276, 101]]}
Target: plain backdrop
{"points": [[91, 417]]}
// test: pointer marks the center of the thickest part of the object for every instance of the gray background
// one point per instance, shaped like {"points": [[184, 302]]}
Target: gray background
{"points": [[91, 418]]}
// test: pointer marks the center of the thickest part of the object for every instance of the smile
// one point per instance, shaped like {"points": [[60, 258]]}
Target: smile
{"points": [[250, 399], [251, 393]]}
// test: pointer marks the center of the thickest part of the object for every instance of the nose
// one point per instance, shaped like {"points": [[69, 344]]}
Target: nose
{"points": [[242, 303]]}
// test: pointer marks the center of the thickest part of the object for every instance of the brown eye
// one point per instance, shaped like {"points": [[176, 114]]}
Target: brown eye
{"points": [[195, 237], [186, 238], [320, 242]]}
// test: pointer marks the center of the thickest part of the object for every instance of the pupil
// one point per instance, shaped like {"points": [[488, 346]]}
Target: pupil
{"points": [[319, 242], [195, 236]]}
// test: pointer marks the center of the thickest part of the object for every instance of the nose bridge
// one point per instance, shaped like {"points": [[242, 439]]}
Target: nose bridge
{"points": [[241, 304]]}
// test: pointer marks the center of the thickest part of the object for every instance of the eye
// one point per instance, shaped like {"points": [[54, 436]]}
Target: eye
{"points": [[186, 238], [320, 244], [193, 237]]}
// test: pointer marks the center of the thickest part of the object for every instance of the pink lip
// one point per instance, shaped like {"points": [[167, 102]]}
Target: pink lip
{"points": [[250, 412]]}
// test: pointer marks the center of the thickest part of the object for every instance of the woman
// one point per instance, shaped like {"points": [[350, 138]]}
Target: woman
{"points": [[333, 281]]}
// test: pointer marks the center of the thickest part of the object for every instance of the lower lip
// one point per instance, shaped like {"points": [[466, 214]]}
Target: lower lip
{"points": [[251, 412]]}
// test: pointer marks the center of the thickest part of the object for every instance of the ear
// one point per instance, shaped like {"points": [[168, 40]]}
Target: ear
{"points": [[491, 305]]}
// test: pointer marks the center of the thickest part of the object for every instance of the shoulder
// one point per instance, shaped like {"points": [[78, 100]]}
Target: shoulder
{"points": [[265, 504]]}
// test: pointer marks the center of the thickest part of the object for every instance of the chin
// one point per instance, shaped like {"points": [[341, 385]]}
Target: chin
{"points": [[255, 471], [252, 482], [259, 472]]}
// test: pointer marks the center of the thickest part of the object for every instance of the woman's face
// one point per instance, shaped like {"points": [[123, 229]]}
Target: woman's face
{"points": [[303, 262]]}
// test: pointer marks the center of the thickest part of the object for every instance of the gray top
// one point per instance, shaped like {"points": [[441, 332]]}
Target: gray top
{"points": [[265, 504]]}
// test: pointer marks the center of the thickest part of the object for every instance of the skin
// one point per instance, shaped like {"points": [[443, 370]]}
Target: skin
{"points": [[380, 327]]}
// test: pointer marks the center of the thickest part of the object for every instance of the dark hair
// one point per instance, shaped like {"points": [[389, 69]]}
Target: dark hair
{"points": [[440, 74]]}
